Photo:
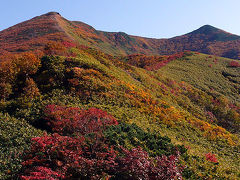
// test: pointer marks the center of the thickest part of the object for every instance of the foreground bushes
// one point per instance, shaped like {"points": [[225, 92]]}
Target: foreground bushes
{"points": [[15, 136], [79, 149], [130, 135], [65, 157]]}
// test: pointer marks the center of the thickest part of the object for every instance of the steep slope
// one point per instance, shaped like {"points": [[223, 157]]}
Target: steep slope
{"points": [[35, 33], [32, 34]]}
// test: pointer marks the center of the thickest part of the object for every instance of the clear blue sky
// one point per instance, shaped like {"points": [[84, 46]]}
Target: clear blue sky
{"points": [[149, 18]]}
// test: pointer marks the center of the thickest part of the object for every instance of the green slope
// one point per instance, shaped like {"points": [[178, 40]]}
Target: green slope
{"points": [[208, 73]]}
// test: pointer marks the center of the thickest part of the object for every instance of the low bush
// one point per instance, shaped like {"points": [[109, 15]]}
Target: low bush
{"points": [[67, 121]]}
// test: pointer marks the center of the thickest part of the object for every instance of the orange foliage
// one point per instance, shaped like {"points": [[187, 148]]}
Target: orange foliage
{"points": [[30, 90], [19, 65], [153, 62], [54, 48]]}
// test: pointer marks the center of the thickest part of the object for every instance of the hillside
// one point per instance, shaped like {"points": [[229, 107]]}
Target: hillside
{"points": [[69, 110], [132, 112], [35, 33]]}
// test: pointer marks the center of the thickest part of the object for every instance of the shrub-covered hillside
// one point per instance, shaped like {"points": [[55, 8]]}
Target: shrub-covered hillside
{"points": [[77, 113], [35, 33]]}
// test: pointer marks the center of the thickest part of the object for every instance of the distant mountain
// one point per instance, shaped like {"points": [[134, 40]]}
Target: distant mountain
{"points": [[35, 33], [210, 40]]}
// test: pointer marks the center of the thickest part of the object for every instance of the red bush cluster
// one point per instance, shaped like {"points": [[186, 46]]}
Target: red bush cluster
{"points": [[152, 63], [68, 157], [71, 120], [234, 64], [41, 173], [86, 155], [211, 157], [136, 164], [68, 44], [61, 157]]}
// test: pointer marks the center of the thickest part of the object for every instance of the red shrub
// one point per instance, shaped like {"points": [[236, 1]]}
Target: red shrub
{"points": [[40, 172], [234, 64], [62, 157], [71, 120], [68, 44], [136, 164], [152, 63], [68, 157], [211, 157], [211, 117], [166, 168]]}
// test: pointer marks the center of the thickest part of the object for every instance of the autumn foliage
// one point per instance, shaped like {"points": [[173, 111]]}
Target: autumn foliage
{"points": [[71, 120], [17, 72], [90, 143], [87, 153], [211, 157], [153, 62], [234, 64]]}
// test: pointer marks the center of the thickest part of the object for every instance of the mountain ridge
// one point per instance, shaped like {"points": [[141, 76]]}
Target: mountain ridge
{"points": [[207, 39], [69, 110]]}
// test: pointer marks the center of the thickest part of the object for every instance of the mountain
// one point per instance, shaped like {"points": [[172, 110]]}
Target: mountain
{"points": [[33, 34], [69, 110], [209, 40]]}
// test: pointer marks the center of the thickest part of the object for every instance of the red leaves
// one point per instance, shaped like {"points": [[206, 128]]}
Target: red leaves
{"points": [[166, 168], [68, 157], [54, 48], [55, 152], [211, 157], [71, 120], [136, 164], [234, 64], [152, 63], [63, 157], [68, 44], [43, 173]]}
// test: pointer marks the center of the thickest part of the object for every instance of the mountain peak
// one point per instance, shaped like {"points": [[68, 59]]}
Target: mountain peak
{"points": [[206, 29], [211, 33], [207, 26], [52, 14], [49, 15]]}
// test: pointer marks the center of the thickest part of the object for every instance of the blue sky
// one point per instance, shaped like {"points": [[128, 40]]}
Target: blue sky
{"points": [[148, 18]]}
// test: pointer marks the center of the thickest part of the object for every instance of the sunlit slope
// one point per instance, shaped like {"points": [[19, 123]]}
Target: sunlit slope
{"points": [[208, 73], [201, 120], [34, 34]]}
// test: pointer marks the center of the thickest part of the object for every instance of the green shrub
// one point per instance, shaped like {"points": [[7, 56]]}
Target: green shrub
{"points": [[130, 135], [15, 136]]}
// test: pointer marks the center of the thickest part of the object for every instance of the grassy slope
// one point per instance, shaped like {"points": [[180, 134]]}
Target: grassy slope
{"points": [[204, 73], [133, 95]]}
